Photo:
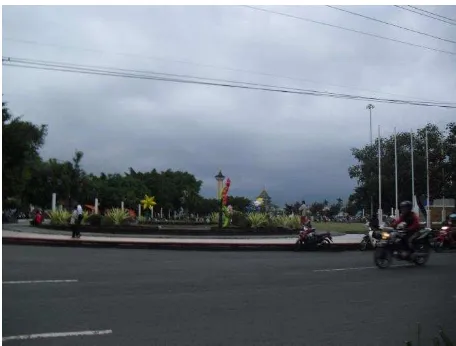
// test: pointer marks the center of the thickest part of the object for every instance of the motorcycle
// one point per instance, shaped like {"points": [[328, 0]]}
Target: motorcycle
{"points": [[308, 238], [391, 245], [369, 240], [445, 239]]}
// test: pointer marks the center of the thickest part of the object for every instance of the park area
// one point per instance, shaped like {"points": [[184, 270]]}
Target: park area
{"points": [[118, 220]]}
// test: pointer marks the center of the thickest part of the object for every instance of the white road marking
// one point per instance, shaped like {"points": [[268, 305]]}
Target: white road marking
{"points": [[56, 335], [38, 282], [342, 269], [357, 268]]}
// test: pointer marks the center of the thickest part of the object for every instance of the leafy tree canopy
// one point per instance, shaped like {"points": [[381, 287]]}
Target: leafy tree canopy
{"points": [[442, 168]]}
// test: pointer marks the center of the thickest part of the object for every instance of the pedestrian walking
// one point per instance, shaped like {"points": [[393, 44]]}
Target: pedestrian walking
{"points": [[74, 223], [80, 213]]}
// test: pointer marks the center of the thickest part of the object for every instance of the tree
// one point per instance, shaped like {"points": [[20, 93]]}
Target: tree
{"points": [[239, 203], [21, 142], [334, 209], [450, 160], [292, 208], [317, 208], [441, 167]]}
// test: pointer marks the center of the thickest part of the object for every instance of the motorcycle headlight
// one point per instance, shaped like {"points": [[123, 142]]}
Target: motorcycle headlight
{"points": [[385, 235], [445, 228]]}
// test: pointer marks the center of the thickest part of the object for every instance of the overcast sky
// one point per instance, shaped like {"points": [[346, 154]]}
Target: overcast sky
{"points": [[297, 146]]}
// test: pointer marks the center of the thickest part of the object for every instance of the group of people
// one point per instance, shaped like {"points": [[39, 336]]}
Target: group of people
{"points": [[411, 221], [75, 220]]}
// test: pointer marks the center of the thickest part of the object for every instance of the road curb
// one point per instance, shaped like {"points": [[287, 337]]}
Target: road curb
{"points": [[171, 245], [175, 231]]}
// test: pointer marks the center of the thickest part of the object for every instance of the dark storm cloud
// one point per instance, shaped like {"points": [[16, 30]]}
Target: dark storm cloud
{"points": [[296, 146]]}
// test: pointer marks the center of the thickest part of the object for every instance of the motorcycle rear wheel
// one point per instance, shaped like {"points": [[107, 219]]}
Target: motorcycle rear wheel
{"points": [[382, 258], [297, 246], [325, 244], [363, 245], [422, 260], [438, 246]]}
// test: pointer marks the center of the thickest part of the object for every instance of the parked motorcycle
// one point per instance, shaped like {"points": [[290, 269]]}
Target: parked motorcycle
{"points": [[369, 241], [308, 238], [391, 245], [445, 239]]}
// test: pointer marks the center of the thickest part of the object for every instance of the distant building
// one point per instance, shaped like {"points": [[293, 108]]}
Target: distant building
{"points": [[266, 199], [440, 208]]}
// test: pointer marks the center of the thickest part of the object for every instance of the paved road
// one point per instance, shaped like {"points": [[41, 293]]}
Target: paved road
{"points": [[222, 298]]}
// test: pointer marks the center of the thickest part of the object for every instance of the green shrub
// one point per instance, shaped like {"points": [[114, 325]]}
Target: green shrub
{"points": [[106, 221], [85, 217], [240, 220], [291, 222], [59, 217], [280, 221], [214, 218], [94, 219], [142, 220], [258, 220], [118, 216]]}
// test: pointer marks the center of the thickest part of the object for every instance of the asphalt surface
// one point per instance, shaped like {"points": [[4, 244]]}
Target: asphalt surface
{"points": [[223, 298]]}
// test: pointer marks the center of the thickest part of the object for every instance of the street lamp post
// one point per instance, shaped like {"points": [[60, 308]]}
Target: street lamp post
{"points": [[220, 178], [370, 107]]}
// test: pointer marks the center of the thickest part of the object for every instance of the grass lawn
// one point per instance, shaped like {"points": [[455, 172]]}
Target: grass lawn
{"points": [[340, 227]]}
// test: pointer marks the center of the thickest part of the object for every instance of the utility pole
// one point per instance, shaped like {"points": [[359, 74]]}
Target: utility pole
{"points": [[380, 210], [370, 107], [428, 211]]}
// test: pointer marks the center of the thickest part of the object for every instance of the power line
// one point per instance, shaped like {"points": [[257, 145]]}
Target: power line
{"points": [[101, 71], [207, 66], [391, 24], [432, 13], [109, 71], [97, 68], [423, 14], [351, 30]]}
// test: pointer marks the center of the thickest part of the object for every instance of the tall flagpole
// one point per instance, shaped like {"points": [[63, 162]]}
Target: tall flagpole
{"points": [[370, 107], [413, 167], [380, 216], [428, 214], [395, 174], [443, 188]]}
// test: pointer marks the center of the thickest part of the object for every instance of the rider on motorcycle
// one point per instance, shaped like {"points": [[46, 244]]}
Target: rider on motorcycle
{"points": [[412, 223], [373, 222]]}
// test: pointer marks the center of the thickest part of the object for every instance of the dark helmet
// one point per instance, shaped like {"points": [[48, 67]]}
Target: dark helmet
{"points": [[406, 206]]}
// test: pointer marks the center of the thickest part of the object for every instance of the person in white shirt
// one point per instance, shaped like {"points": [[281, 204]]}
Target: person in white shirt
{"points": [[74, 222], [80, 213]]}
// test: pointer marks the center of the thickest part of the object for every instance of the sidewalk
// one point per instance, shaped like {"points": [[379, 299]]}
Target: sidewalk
{"points": [[22, 237]]}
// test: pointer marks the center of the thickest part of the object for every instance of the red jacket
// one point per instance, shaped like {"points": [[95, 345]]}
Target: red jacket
{"points": [[412, 221], [38, 218]]}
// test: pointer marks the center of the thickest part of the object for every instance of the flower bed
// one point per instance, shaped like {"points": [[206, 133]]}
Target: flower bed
{"points": [[117, 221]]}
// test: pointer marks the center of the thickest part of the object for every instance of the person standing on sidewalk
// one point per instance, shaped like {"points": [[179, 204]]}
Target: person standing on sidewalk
{"points": [[80, 213], [74, 223]]}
